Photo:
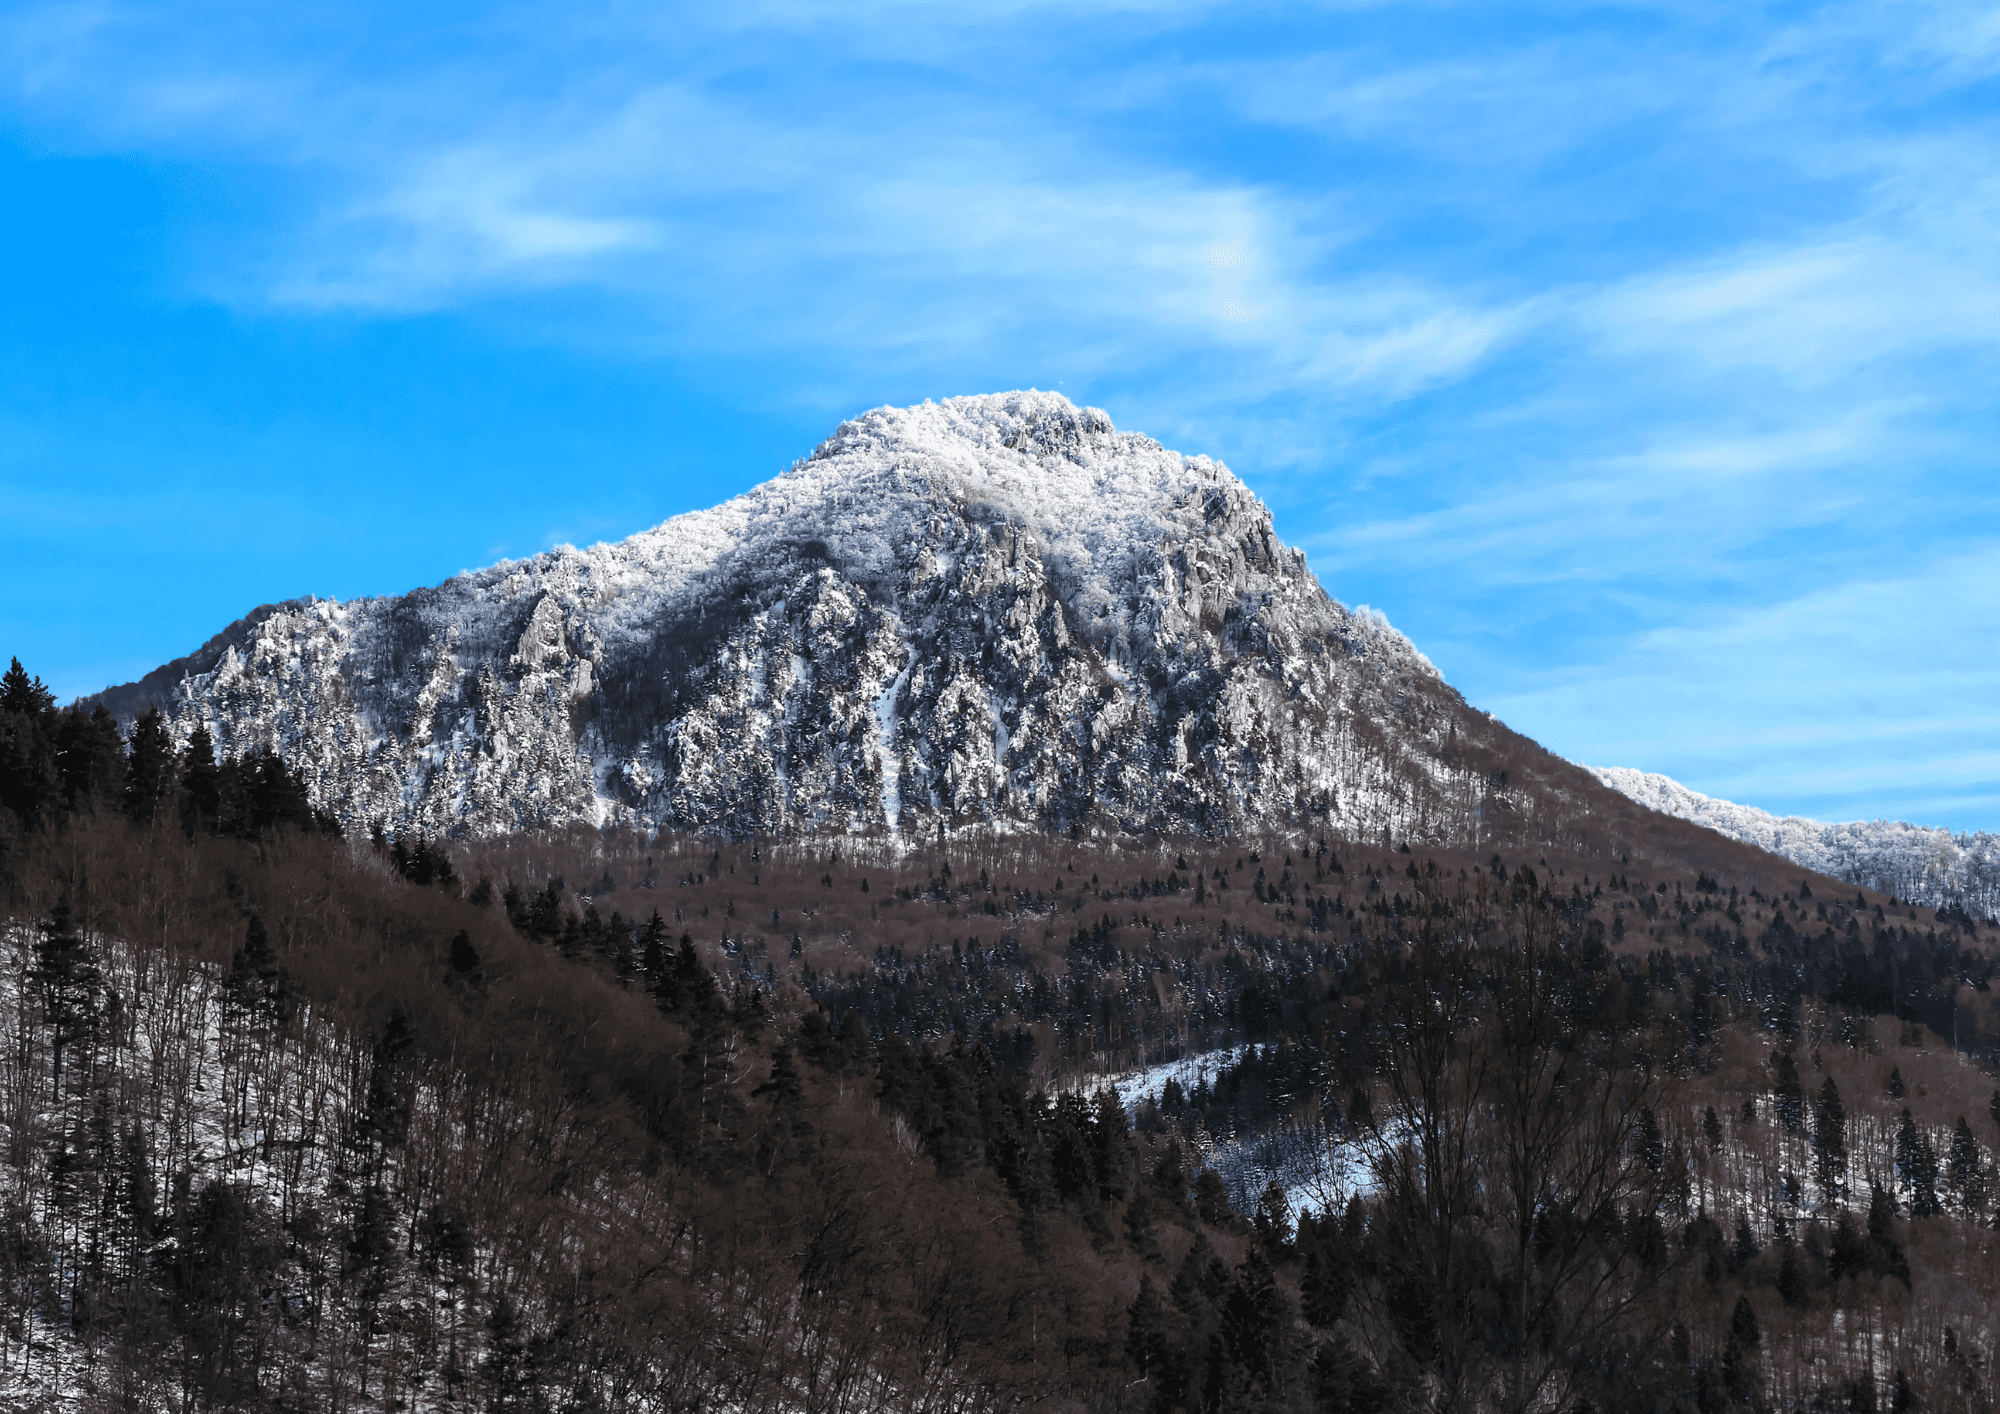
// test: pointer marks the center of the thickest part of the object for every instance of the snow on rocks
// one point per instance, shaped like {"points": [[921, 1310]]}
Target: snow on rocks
{"points": [[997, 610]]}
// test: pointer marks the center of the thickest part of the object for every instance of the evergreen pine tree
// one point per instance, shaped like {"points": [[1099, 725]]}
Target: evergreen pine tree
{"points": [[1902, 1398], [1111, 1148], [1786, 1095], [66, 979], [201, 783], [1743, 1327], [545, 914], [1965, 1173], [653, 955], [149, 768], [391, 1086], [1255, 1323], [464, 960], [90, 754], [1916, 1166], [1149, 1343], [1652, 1147], [254, 988], [1742, 1251], [23, 694], [1273, 1223], [30, 784], [137, 1195]]}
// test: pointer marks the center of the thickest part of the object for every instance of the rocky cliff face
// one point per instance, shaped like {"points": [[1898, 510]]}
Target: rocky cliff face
{"points": [[993, 609]]}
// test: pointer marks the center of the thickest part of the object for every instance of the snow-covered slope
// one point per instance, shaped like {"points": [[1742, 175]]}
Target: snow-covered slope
{"points": [[992, 609], [1927, 865]]}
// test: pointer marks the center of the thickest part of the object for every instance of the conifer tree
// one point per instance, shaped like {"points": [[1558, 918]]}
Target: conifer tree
{"points": [[1149, 1343], [254, 989], [1966, 1174], [1743, 1250], [464, 960], [67, 980], [1743, 1327], [1791, 1277], [149, 768], [1255, 1324], [1786, 1096], [90, 754], [653, 955], [391, 1086], [201, 783], [23, 694], [30, 784], [1652, 1148], [1916, 1165]]}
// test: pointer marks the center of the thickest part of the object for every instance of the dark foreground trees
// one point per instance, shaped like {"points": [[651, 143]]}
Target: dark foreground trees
{"points": [[292, 1122], [1521, 1255]]}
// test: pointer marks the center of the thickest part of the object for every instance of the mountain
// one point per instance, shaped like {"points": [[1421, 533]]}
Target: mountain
{"points": [[1927, 865], [994, 610]]}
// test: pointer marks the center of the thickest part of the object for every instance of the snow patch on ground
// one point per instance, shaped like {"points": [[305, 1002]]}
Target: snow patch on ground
{"points": [[1138, 1087]]}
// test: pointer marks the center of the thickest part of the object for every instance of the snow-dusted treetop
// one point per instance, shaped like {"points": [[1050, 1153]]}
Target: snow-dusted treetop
{"points": [[1925, 864]]}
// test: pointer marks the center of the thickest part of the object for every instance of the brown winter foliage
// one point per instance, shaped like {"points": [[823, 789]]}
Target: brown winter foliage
{"points": [[595, 1121]]}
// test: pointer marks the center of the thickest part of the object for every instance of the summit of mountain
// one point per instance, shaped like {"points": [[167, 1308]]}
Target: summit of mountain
{"points": [[997, 611]]}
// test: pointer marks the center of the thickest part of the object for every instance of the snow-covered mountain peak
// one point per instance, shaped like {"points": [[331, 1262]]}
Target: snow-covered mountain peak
{"points": [[995, 608], [869, 498]]}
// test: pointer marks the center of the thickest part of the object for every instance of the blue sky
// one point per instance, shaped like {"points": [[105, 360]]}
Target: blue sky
{"points": [[1638, 361]]}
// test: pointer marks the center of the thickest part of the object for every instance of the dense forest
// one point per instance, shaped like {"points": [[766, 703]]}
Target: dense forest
{"points": [[298, 1119]]}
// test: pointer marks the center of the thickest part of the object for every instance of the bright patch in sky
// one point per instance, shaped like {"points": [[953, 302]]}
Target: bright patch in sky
{"points": [[1636, 361]]}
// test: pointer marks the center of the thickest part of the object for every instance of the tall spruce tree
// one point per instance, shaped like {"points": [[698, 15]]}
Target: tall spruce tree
{"points": [[150, 768], [90, 754], [1917, 1166], [22, 694], [201, 783], [67, 981], [1965, 1172]]}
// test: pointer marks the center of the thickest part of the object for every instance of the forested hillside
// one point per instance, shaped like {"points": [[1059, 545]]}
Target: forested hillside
{"points": [[1938, 867], [600, 1121]]}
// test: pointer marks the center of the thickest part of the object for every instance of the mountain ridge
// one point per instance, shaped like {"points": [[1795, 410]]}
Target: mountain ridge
{"points": [[1925, 864]]}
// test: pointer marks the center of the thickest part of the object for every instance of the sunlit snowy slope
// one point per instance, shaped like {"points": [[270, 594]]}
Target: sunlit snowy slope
{"points": [[1927, 865], [993, 610]]}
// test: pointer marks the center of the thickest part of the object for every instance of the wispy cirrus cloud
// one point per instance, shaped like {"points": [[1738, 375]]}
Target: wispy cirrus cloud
{"points": [[1573, 338], [1865, 692]]}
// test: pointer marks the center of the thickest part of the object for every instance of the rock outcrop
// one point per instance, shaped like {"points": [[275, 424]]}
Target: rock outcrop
{"points": [[994, 610]]}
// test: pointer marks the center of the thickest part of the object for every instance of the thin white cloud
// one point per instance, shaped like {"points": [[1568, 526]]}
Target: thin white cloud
{"points": [[1816, 312], [1850, 693], [1628, 326], [878, 226]]}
